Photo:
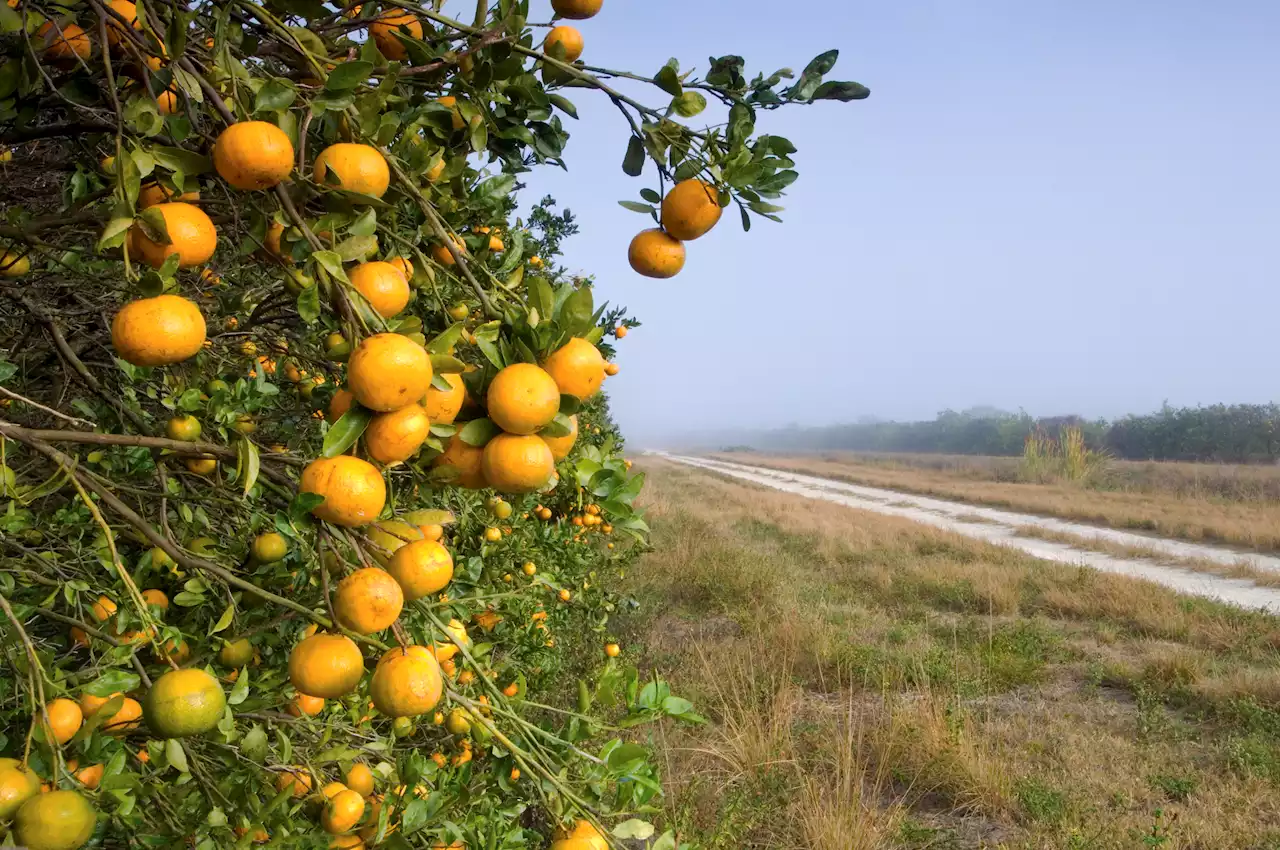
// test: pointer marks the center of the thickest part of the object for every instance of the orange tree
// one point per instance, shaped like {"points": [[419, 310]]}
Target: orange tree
{"points": [[310, 500]]}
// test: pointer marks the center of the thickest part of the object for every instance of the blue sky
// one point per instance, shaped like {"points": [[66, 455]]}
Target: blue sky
{"points": [[1066, 207]]}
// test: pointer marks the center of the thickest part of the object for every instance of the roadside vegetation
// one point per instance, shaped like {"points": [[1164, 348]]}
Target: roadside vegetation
{"points": [[873, 683], [1232, 504]]}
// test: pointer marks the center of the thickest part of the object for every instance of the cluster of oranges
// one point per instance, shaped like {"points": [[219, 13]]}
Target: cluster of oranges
{"points": [[689, 211]]}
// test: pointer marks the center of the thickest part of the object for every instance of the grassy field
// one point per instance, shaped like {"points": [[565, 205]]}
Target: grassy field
{"points": [[873, 683], [1236, 505]]}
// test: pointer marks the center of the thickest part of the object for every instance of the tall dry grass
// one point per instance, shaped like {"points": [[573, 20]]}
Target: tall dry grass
{"points": [[1066, 459], [872, 683]]}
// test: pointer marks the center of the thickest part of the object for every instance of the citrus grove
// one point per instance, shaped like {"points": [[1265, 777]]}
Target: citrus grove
{"points": [[310, 500]]}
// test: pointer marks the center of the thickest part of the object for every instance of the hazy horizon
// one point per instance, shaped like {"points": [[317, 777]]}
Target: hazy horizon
{"points": [[1060, 208]]}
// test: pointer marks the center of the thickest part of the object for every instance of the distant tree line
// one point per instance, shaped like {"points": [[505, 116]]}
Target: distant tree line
{"points": [[1237, 433]]}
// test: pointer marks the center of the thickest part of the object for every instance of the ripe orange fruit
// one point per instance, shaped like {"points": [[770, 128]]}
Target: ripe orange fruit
{"points": [[306, 704], [157, 331], [325, 665], [168, 102], [269, 548], [620, 331], [185, 428], [611, 369], [340, 404], [434, 172], [360, 779], [517, 464], [397, 435], [655, 253], [576, 10], [192, 236], [115, 29], [59, 820], [612, 650], [66, 45], [433, 532], [153, 194], [296, 778], [577, 367], [392, 535], [126, 719], [65, 718], [569, 39], [406, 686], [421, 567], [403, 265], [523, 398], [342, 812], [466, 459], [183, 703], [443, 405], [442, 254], [452, 102], [90, 776], [561, 446], [352, 842], [583, 836], [17, 785], [102, 609], [14, 265], [388, 371], [353, 489], [384, 285], [358, 168], [272, 242], [259, 833], [384, 28], [690, 209], [368, 601], [156, 598], [201, 465], [253, 155]]}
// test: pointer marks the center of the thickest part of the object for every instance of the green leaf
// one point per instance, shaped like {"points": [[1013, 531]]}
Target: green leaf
{"points": [[478, 432], [636, 206], [114, 233], [669, 81], [153, 227], [348, 75], [241, 689], [254, 744], [575, 315], [491, 352], [569, 404], [332, 263], [633, 162], [841, 91], [666, 842], [344, 433], [276, 95], [225, 620], [446, 338], [560, 426], [247, 463], [113, 682], [689, 104], [625, 754], [181, 160], [564, 105], [309, 304], [356, 248], [175, 755], [541, 298], [302, 506], [634, 829], [651, 196], [443, 364]]}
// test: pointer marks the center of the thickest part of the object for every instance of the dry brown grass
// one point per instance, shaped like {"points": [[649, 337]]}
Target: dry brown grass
{"points": [[873, 683], [1177, 512]]}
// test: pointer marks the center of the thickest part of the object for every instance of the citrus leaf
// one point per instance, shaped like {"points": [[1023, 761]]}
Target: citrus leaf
{"points": [[112, 682], [560, 426], [563, 104], [277, 94], [308, 304], [634, 829], [444, 364], [241, 690], [224, 621], [180, 160], [348, 75], [569, 404], [175, 755], [842, 91], [633, 162], [478, 432], [669, 81], [636, 206], [689, 104], [346, 430], [247, 464]]}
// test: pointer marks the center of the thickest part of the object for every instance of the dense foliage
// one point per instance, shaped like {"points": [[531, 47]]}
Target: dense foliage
{"points": [[232, 619]]}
